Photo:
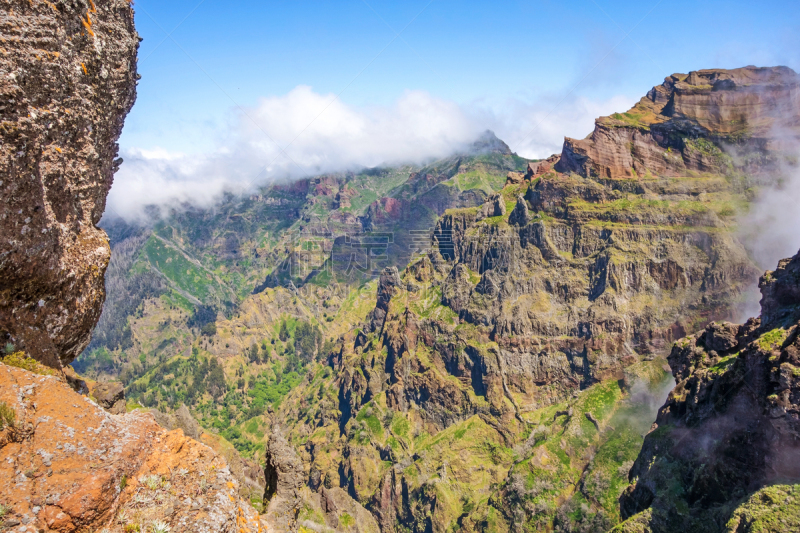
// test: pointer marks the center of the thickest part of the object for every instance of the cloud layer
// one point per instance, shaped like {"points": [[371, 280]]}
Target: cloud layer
{"points": [[305, 133]]}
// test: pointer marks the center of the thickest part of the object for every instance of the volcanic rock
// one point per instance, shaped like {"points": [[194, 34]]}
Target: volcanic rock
{"points": [[520, 215], [110, 396], [664, 134], [285, 477], [495, 206], [67, 80], [732, 423]]}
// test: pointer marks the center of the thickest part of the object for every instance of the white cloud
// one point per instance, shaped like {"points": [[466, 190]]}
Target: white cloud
{"points": [[538, 130], [305, 133], [770, 229]]}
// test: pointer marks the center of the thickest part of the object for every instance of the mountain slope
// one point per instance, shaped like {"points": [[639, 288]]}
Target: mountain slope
{"points": [[472, 345]]}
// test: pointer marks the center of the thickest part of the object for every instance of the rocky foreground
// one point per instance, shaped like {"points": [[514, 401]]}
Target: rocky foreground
{"points": [[66, 464], [725, 451]]}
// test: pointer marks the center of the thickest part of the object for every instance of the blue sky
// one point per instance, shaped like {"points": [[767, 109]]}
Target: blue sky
{"points": [[221, 55], [238, 93]]}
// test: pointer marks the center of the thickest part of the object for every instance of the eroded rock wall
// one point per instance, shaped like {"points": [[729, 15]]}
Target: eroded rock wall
{"points": [[731, 425], [666, 132], [67, 81]]}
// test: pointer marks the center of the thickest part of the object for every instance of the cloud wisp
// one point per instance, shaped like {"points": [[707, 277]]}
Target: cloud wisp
{"points": [[304, 133]]}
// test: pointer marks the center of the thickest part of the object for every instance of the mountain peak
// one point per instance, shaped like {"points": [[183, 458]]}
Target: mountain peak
{"points": [[488, 143]]}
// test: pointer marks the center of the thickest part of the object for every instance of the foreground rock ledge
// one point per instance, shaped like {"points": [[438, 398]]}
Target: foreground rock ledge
{"points": [[68, 465]]}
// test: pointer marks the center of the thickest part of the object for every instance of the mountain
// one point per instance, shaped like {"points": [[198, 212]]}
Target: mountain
{"points": [[723, 452], [473, 344]]}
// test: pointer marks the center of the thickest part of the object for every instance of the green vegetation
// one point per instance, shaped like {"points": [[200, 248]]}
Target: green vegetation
{"points": [[21, 360], [186, 275], [722, 365], [772, 339], [347, 520], [772, 509], [8, 417]]}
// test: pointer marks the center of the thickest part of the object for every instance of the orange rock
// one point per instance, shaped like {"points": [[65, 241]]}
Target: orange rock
{"points": [[68, 465]]}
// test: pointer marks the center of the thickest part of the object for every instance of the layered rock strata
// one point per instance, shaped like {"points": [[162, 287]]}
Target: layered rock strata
{"points": [[667, 131]]}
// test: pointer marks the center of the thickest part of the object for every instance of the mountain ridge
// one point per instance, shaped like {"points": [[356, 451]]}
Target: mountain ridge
{"points": [[476, 344]]}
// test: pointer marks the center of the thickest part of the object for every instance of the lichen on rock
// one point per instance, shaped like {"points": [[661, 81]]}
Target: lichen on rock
{"points": [[67, 81]]}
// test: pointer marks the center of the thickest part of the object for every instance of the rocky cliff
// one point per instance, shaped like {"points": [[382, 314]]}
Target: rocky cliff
{"points": [[571, 280], [668, 131], [730, 430], [67, 80]]}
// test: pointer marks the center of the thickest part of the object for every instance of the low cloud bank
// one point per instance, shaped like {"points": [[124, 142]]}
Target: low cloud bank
{"points": [[304, 133]]}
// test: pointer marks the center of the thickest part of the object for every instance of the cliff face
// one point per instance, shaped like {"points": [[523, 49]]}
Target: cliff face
{"points": [[730, 427], [67, 80], [666, 132]]}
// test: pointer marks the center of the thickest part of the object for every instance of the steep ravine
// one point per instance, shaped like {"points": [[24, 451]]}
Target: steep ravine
{"points": [[482, 387], [501, 375]]}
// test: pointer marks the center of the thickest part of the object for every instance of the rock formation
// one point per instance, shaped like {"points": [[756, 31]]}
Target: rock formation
{"points": [[284, 477], [665, 132], [731, 425], [110, 396], [67, 80], [588, 276], [68, 465]]}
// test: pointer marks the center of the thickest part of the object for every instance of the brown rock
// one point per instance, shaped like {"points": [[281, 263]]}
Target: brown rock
{"points": [[537, 168], [285, 477], [69, 80], [515, 178], [110, 396], [659, 134]]}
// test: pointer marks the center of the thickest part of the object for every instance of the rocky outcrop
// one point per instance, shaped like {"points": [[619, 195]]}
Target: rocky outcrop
{"points": [[388, 284], [181, 419], [587, 278], [67, 80], [68, 465], [339, 512], [520, 216], [669, 131], [285, 477], [110, 396], [495, 206], [732, 423]]}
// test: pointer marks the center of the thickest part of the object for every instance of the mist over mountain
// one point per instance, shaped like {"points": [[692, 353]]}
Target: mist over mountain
{"points": [[304, 134]]}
